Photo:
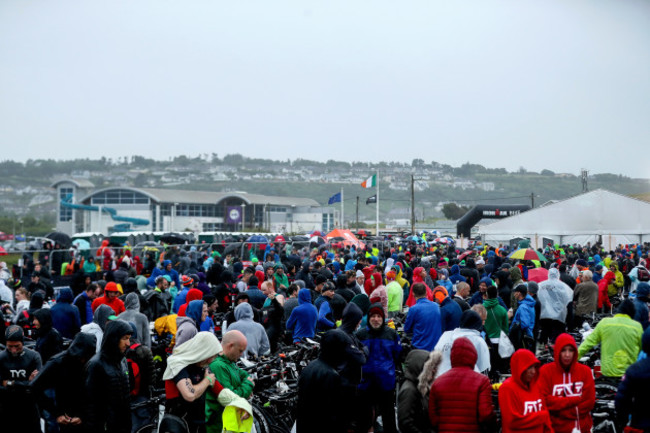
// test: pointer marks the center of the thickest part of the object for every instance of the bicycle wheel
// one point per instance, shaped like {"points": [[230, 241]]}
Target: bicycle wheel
{"points": [[261, 421], [149, 428], [605, 391]]}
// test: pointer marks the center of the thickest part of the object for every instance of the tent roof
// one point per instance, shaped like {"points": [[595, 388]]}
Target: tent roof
{"points": [[595, 212], [344, 233]]}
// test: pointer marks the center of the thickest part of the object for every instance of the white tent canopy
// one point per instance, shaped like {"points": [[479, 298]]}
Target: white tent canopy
{"points": [[613, 218]]}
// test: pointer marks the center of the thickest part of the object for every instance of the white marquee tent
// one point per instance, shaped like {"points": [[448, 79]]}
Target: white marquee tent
{"points": [[596, 215]]}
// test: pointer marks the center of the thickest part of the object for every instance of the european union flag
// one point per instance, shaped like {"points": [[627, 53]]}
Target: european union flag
{"points": [[336, 198]]}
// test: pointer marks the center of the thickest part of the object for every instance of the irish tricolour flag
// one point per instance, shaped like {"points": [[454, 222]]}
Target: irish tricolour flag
{"points": [[370, 182]]}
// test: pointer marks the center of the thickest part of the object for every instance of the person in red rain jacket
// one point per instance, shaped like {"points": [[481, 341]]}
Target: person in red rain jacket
{"points": [[603, 296], [110, 298], [522, 405], [460, 400], [368, 285], [419, 275], [192, 295], [568, 388]]}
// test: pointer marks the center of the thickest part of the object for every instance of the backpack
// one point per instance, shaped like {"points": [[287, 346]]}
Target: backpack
{"points": [[134, 372], [643, 275]]}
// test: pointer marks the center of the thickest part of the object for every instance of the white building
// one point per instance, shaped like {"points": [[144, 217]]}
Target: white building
{"points": [[83, 209]]}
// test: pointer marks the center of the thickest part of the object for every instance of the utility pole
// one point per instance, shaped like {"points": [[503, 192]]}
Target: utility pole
{"points": [[532, 200], [357, 213], [412, 205]]}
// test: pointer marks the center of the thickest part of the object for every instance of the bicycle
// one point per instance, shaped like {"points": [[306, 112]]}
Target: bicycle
{"points": [[151, 425]]}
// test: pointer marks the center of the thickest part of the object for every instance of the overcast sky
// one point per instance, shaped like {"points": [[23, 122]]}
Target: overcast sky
{"points": [[550, 84]]}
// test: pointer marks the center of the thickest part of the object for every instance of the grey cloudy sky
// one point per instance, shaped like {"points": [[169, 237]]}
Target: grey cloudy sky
{"points": [[542, 84]]}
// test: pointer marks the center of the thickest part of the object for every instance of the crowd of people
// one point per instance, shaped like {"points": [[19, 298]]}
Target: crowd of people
{"points": [[430, 327]]}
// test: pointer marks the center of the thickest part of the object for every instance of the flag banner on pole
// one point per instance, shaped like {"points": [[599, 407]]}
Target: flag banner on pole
{"points": [[371, 199], [336, 198], [370, 182]]}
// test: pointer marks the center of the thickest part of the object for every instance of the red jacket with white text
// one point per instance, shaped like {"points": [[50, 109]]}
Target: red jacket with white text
{"points": [[522, 406], [569, 395]]}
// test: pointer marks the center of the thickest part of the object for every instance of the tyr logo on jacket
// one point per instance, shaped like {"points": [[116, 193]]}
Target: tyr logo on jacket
{"points": [[568, 389], [532, 406], [18, 374]]}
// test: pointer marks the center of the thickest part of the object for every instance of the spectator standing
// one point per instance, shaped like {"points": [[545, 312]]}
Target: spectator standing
{"points": [[18, 366], [471, 325], [632, 398], [133, 314], [65, 316], [321, 382], [84, 302], [110, 298], [585, 297], [555, 296], [230, 376], [412, 399], [461, 399], [302, 321], [48, 341], [378, 380], [107, 382], [568, 388], [521, 403], [256, 338], [423, 320], [65, 374], [619, 338], [641, 304]]}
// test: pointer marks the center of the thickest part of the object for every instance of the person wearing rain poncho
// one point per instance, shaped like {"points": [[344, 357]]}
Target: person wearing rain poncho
{"points": [[187, 379], [554, 295]]}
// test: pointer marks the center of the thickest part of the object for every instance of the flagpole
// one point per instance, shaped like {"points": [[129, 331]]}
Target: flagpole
{"points": [[377, 227], [342, 208]]}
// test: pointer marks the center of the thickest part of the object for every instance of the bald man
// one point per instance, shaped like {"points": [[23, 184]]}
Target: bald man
{"points": [[229, 376]]}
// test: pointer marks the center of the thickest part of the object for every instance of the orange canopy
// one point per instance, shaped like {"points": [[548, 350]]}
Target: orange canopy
{"points": [[347, 235]]}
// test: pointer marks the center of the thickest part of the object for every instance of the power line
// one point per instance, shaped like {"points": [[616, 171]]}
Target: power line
{"points": [[459, 200]]}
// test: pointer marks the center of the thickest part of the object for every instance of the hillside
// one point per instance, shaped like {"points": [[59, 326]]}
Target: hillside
{"points": [[26, 186]]}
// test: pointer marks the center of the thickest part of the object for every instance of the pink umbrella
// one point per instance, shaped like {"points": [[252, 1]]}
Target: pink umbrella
{"points": [[538, 275]]}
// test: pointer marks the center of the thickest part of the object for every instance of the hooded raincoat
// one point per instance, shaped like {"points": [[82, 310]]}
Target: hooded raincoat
{"points": [[96, 327], [570, 393], [554, 295], [522, 404], [49, 341], [188, 326], [417, 278], [65, 374], [321, 383], [65, 317], [107, 384], [412, 406], [258, 341], [303, 318], [133, 314]]}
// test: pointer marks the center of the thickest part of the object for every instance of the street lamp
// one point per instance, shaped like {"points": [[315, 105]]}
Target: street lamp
{"points": [[243, 216]]}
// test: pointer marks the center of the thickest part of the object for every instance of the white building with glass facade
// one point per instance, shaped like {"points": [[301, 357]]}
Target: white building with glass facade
{"points": [[82, 208]]}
